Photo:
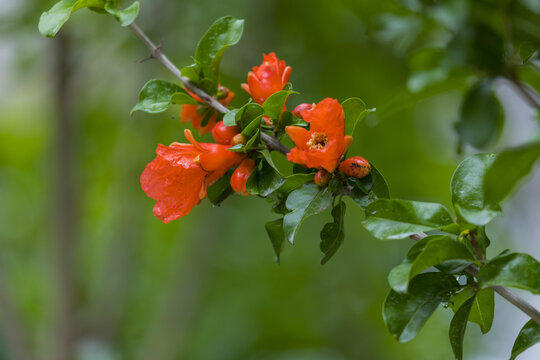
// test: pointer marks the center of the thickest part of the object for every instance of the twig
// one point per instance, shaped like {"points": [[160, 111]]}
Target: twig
{"points": [[511, 297], [157, 53], [527, 94]]}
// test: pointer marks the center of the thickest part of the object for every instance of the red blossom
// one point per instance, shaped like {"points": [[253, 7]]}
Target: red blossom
{"points": [[268, 78], [240, 176]]}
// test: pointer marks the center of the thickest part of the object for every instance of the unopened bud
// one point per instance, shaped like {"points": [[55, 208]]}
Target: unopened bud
{"points": [[240, 176], [322, 178], [222, 92], [224, 134], [356, 166], [297, 110], [239, 139]]}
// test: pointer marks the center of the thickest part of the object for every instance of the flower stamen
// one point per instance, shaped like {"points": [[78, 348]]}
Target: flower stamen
{"points": [[318, 141]]}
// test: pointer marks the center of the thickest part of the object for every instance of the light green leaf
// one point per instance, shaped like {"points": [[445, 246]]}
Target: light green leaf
{"points": [[435, 249], [405, 314], [223, 33], [51, 21], [273, 106], [507, 170], [229, 118], [355, 110], [528, 336], [124, 17], [517, 270], [274, 230], [468, 190], [458, 325], [333, 234], [389, 219], [303, 203], [156, 96]]}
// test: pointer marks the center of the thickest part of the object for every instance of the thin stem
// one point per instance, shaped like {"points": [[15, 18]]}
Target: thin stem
{"points": [[476, 247], [157, 53], [511, 297]]}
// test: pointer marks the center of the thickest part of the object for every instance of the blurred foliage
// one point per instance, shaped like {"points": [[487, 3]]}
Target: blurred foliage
{"points": [[206, 286]]}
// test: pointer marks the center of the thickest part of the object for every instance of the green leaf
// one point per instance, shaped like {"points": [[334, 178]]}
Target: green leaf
{"points": [[333, 234], [276, 235], [303, 203], [405, 314], [221, 189], [482, 116], [528, 336], [508, 168], [247, 114], [223, 33], [51, 21], [193, 72], [482, 311], [468, 190], [264, 180], [229, 118], [368, 189], [252, 127], [458, 325], [517, 270], [273, 106], [156, 96], [124, 17], [435, 249], [355, 110], [291, 183], [388, 219]]}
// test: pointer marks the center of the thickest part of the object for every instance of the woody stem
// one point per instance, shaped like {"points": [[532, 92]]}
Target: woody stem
{"points": [[157, 53]]}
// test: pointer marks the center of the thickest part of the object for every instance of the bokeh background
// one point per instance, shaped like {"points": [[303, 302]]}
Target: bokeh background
{"points": [[87, 272]]}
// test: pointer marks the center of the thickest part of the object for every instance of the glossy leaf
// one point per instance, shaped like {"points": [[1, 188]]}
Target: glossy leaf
{"points": [[405, 314], [517, 270], [507, 170], [274, 229], [274, 105], [389, 219], [223, 33], [435, 250], [458, 325], [468, 190], [221, 189], [290, 184], [483, 308], [51, 21], [482, 116], [333, 234], [246, 115], [368, 189], [355, 110], [156, 96], [264, 180], [303, 203], [528, 336], [126, 16]]}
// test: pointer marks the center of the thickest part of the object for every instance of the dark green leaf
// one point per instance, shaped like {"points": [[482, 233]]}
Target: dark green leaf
{"points": [[528, 336], [388, 219], [303, 203], [405, 314], [247, 114], [368, 189], [292, 182], [517, 270], [481, 116], [221, 189], [156, 96], [223, 33], [273, 106], [275, 233], [436, 249], [355, 110], [482, 311], [508, 168], [124, 17], [468, 190], [333, 234], [264, 180], [458, 325], [51, 21], [252, 127]]}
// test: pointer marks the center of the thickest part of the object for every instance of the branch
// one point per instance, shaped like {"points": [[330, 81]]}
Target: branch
{"points": [[525, 92], [157, 53], [501, 290]]}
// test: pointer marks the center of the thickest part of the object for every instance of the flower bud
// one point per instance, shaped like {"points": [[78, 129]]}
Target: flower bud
{"points": [[322, 178], [240, 176], [356, 166], [239, 139], [223, 92], [224, 134], [298, 110]]}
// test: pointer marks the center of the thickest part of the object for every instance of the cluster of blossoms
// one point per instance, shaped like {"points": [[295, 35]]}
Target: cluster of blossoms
{"points": [[179, 177]]}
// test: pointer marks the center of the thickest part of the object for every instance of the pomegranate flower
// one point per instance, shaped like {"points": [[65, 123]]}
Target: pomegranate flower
{"points": [[196, 113], [181, 173], [325, 143], [268, 78]]}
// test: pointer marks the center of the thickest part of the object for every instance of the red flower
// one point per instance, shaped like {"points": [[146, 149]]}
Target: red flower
{"points": [[298, 110], [196, 113], [268, 78], [325, 143], [181, 173], [240, 176]]}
